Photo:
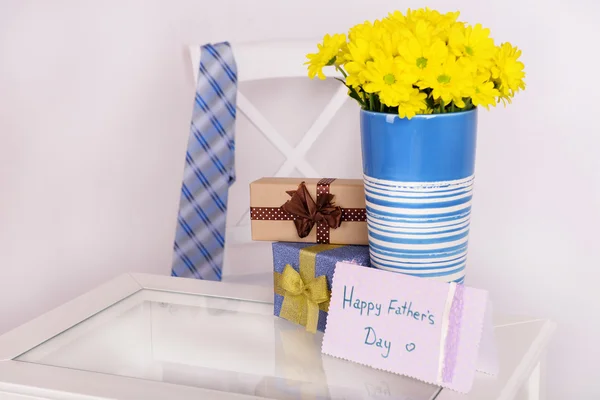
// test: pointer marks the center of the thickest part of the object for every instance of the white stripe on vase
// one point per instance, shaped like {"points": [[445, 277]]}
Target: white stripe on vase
{"points": [[439, 186], [418, 237], [418, 211], [387, 192], [419, 222], [409, 246], [412, 228], [417, 261], [419, 200], [451, 261]]}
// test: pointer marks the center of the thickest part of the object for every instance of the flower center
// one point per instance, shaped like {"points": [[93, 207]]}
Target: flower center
{"points": [[469, 50], [421, 62], [390, 79], [443, 79]]}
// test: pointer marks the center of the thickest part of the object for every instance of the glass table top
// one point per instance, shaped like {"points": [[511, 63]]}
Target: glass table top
{"points": [[216, 343]]}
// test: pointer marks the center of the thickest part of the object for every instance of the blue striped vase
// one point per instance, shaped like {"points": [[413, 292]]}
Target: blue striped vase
{"points": [[418, 183]]}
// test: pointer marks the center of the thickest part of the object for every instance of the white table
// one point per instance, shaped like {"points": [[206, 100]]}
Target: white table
{"points": [[153, 337]]}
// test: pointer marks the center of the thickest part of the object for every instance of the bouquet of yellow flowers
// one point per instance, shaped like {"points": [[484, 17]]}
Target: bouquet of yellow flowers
{"points": [[421, 62]]}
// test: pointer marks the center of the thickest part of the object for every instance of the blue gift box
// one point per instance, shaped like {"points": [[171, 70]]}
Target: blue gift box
{"points": [[321, 259]]}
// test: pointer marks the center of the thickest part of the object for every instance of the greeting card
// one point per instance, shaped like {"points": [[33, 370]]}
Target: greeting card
{"points": [[437, 332]]}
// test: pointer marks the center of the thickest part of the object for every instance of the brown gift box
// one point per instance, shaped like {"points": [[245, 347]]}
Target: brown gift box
{"points": [[270, 222]]}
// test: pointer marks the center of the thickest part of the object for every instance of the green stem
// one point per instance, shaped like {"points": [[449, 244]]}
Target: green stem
{"points": [[442, 106], [366, 100], [371, 102], [341, 70], [353, 93], [381, 107], [357, 95], [452, 107]]}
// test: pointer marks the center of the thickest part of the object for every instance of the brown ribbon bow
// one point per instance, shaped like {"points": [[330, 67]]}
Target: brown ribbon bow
{"points": [[308, 213]]}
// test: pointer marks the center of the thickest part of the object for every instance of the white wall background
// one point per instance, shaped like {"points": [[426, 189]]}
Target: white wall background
{"points": [[95, 100]]}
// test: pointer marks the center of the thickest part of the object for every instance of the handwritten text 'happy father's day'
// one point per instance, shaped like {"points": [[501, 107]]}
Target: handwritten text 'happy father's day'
{"points": [[373, 309]]}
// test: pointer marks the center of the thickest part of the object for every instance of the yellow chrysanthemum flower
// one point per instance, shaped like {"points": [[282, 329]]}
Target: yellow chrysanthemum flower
{"points": [[419, 56], [342, 55], [390, 35], [364, 31], [484, 93], [356, 77], [327, 54], [507, 71], [386, 78], [362, 39], [449, 81], [473, 44], [397, 17], [440, 23], [415, 104], [359, 52], [366, 40]]}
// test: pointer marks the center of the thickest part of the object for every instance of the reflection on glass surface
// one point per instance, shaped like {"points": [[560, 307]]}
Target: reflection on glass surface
{"points": [[215, 343]]}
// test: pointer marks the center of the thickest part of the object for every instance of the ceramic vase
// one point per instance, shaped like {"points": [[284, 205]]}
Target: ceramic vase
{"points": [[418, 176]]}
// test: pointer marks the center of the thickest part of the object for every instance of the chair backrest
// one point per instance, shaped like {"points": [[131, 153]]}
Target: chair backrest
{"points": [[261, 61]]}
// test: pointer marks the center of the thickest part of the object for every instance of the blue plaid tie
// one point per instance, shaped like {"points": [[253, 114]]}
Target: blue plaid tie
{"points": [[209, 168]]}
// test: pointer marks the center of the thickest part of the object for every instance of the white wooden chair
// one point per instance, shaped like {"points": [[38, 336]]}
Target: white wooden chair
{"points": [[260, 62]]}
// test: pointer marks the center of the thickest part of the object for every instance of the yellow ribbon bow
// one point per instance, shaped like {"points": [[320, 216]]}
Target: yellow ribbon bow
{"points": [[302, 298], [303, 294]]}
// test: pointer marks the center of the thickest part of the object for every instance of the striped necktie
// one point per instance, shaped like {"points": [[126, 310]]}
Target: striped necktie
{"points": [[209, 168]]}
